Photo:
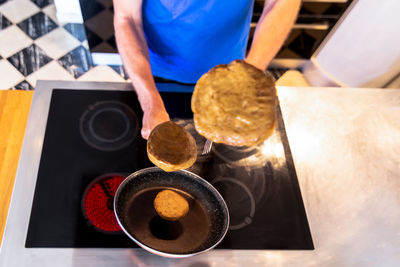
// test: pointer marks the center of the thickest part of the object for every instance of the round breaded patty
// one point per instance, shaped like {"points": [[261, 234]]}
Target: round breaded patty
{"points": [[235, 104], [170, 205], [171, 147]]}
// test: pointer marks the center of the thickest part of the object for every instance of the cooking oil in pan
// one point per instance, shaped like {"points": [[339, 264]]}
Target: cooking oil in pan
{"points": [[187, 234]]}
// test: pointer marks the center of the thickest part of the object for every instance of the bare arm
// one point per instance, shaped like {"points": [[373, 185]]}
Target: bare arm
{"points": [[133, 49], [274, 25]]}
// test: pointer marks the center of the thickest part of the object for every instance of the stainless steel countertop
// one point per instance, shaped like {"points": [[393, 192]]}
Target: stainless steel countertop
{"points": [[345, 144]]}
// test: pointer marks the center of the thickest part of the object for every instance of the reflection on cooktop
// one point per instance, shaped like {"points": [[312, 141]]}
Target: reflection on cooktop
{"points": [[239, 200], [109, 125], [100, 135]]}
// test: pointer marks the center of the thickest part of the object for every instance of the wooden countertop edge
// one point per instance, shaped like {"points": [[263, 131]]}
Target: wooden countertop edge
{"points": [[14, 111]]}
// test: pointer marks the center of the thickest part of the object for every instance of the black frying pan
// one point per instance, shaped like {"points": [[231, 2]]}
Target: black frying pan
{"points": [[204, 226]]}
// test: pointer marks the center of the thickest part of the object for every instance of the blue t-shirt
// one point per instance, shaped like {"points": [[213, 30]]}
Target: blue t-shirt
{"points": [[186, 38]]}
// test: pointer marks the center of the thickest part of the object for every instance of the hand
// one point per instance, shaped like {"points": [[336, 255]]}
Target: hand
{"points": [[153, 115]]}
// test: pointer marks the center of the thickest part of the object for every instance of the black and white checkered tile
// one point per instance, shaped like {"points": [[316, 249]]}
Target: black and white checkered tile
{"points": [[98, 17], [36, 46]]}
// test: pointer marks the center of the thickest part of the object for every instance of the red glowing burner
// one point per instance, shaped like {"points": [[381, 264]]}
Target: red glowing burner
{"points": [[98, 203]]}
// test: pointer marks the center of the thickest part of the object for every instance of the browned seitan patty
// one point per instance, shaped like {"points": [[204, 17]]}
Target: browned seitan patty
{"points": [[170, 205], [235, 104], [171, 147]]}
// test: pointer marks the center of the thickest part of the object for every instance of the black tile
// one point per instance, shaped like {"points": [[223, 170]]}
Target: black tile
{"points": [[77, 30], [103, 47], [77, 62], [107, 3], [29, 59], [24, 85], [92, 38], [303, 45], [112, 42], [120, 70], [90, 8], [4, 22], [37, 25], [42, 3]]}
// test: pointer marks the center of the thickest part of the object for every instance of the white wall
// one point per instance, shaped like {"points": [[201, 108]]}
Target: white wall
{"points": [[363, 50]]}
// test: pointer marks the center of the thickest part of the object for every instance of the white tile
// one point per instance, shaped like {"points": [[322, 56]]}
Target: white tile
{"points": [[101, 74], [10, 76], [51, 11], [85, 44], [101, 24], [17, 11], [51, 71], [57, 43], [12, 41]]}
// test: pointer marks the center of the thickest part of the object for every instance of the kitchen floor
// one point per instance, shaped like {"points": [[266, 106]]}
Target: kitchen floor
{"points": [[36, 46]]}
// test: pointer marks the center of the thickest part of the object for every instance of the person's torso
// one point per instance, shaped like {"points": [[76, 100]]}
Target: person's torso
{"points": [[188, 37]]}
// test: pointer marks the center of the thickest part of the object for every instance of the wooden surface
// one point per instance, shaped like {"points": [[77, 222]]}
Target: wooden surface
{"points": [[292, 78], [14, 111]]}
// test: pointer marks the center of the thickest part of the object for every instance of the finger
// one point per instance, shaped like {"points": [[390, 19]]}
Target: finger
{"points": [[145, 133]]}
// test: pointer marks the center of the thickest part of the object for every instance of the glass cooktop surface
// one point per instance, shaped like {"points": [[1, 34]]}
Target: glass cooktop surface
{"points": [[92, 142]]}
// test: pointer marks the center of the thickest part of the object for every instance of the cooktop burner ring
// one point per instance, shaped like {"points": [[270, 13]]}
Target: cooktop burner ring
{"points": [[112, 139], [247, 219], [109, 125], [97, 203]]}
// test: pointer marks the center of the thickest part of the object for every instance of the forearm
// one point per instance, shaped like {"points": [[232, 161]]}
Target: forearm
{"points": [[271, 31], [133, 49]]}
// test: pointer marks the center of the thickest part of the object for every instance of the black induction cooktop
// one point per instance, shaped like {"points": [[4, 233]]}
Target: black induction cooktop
{"points": [[92, 141]]}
